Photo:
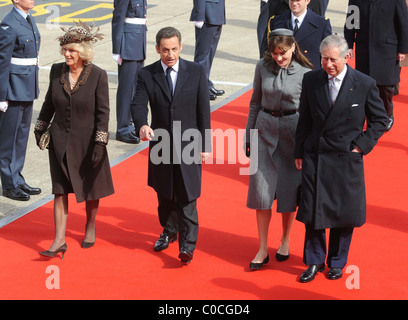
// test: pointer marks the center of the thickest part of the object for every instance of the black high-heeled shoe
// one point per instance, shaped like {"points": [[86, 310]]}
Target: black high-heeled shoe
{"points": [[52, 254], [86, 245], [258, 265]]}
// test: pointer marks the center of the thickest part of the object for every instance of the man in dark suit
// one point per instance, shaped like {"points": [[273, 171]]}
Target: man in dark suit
{"points": [[269, 8], [208, 17], [275, 8], [180, 115], [129, 51], [308, 27], [19, 48], [329, 146], [381, 37]]}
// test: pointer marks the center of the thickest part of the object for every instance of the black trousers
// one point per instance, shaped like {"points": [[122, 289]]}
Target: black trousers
{"points": [[314, 251], [386, 95], [178, 215]]}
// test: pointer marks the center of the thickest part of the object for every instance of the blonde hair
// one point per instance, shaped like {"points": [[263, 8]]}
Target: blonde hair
{"points": [[85, 50]]}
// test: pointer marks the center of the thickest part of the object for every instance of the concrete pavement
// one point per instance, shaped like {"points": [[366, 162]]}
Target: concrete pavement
{"points": [[232, 71]]}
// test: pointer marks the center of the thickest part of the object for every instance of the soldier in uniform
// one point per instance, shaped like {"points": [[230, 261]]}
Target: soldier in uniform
{"points": [[19, 48], [129, 51], [309, 28]]}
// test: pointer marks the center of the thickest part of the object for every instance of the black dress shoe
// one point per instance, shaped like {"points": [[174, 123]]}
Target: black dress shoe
{"points": [[258, 265], [164, 241], [216, 91], [185, 256], [390, 123], [212, 96], [16, 194], [335, 273], [128, 138], [311, 272], [29, 190]]}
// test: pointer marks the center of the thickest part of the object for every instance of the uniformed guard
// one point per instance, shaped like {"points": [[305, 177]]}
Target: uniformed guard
{"points": [[309, 28], [19, 49], [129, 51]]}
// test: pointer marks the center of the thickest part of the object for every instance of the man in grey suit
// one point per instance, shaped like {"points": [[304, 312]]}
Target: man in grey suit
{"points": [[129, 51], [19, 48], [208, 17]]}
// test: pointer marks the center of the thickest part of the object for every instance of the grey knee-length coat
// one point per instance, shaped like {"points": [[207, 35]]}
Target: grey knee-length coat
{"points": [[275, 173]]}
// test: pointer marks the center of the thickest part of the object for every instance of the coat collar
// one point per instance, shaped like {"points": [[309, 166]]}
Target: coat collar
{"points": [[64, 79], [160, 78], [308, 26], [21, 19], [344, 97]]}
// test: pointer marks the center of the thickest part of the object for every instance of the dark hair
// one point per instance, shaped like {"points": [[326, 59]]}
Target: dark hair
{"points": [[284, 43], [167, 33]]}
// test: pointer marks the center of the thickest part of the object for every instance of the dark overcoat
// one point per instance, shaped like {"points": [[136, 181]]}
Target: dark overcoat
{"points": [[188, 109], [78, 116], [333, 187], [312, 31], [380, 34]]}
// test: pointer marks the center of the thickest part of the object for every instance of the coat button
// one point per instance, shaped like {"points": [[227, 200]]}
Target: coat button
{"points": [[68, 130]]}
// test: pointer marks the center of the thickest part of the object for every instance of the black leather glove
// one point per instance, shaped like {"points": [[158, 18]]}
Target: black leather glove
{"points": [[38, 135], [247, 149], [98, 153]]}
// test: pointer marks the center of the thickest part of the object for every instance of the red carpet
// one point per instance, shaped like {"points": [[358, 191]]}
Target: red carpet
{"points": [[123, 265]]}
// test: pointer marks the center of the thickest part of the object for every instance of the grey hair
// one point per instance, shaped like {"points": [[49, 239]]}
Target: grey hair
{"points": [[335, 41]]}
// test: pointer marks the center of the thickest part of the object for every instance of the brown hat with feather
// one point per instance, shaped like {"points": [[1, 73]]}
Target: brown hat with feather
{"points": [[80, 32]]}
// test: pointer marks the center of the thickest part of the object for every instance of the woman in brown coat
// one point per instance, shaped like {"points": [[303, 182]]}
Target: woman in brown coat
{"points": [[77, 107]]}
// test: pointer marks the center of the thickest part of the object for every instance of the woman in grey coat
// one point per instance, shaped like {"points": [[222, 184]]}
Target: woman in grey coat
{"points": [[273, 114]]}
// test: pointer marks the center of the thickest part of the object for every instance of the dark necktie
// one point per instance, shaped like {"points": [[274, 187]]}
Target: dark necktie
{"points": [[169, 81], [296, 26], [29, 21]]}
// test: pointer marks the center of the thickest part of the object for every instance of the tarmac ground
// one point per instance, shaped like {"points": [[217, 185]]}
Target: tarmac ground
{"points": [[232, 70]]}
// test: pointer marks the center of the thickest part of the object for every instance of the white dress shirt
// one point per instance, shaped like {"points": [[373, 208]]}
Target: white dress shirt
{"points": [[335, 84], [173, 74]]}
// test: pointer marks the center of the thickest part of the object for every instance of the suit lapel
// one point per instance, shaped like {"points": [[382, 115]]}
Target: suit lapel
{"points": [[308, 27], [22, 21], [160, 78], [181, 78], [322, 93], [347, 89]]}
